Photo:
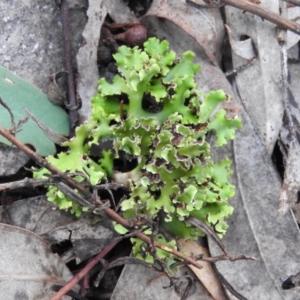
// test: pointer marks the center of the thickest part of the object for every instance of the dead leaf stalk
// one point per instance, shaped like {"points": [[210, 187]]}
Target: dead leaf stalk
{"points": [[26, 182], [265, 13], [186, 292], [260, 11], [120, 262], [49, 132], [72, 103], [295, 2], [13, 126], [240, 68], [33, 183], [227, 284], [223, 257], [208, 231]]}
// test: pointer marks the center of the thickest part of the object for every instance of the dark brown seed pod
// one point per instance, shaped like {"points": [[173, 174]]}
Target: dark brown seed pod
{"points": [[134, 36]]}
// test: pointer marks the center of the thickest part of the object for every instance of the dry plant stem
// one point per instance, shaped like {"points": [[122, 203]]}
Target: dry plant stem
{"points": [[109, 212], [32, 183], [26, 182], [227, 284], [13, 124], [261, 12], [50, 133], [120, 25], [265, 13], [121, 261], [85, 270], [223, 257], [208, 231], [240, 68], [208, 4], [72, 103], [295, 2], [85, 284]]}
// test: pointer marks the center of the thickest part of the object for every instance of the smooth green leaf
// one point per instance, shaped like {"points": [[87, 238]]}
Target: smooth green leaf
{"points": [[18, 94]]}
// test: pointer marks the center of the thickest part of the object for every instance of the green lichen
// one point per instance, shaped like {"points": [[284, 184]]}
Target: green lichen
{"points": [[153, 111]]}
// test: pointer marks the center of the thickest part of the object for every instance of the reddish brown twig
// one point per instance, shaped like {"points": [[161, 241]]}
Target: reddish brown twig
{"points": [[260, 11], [92, 200], [68, 286], [295, 2], [265, 13]]}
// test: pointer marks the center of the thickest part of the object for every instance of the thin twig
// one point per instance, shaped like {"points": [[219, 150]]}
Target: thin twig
{"points": [[208, 5], [240, 68], [262, 12], [72, 103], [208, 231], [223, 257], [109, 212], [26, 182], [188, 287], [35, 182], [227, 284], [13, 124], [265, 13], [86, 269], [108, 186], [71, 193], [120, 262], [295, 2], [48, 131], [87, 195]]}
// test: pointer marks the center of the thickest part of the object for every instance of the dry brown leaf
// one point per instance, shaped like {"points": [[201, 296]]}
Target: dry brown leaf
{"points": [[204, 25], [206, 275]]}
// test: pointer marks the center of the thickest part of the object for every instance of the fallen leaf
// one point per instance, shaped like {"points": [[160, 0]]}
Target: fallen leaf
{"points": [[17, 93], [293, 13], [28, 268], [259, 84], [244, 48], [291, 182], [255, 227], [206, 275], [290, 187], [138, 282], [88, 234], [11, 160], [120, 12], [204, 25]]}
